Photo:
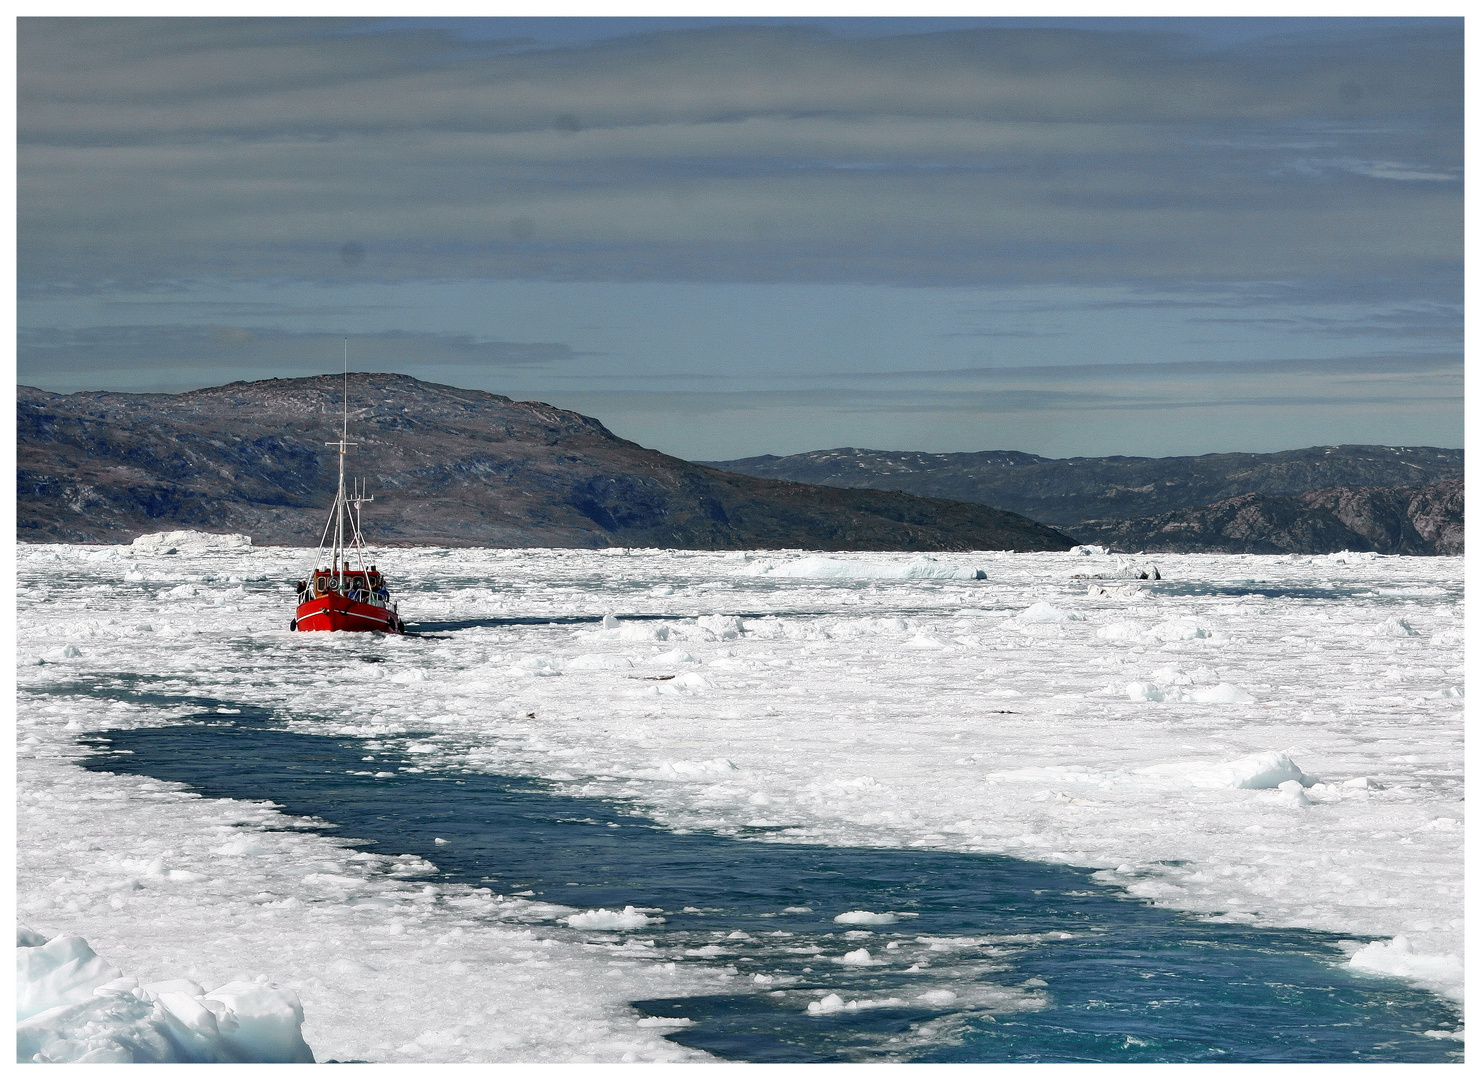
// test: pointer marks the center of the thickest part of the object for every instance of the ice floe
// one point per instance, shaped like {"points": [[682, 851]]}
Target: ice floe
{"points": [[1397, 957], [1042, 612], [598, 662], [73, 1006], [1270, 769], [1222, 694], [629, 918]]}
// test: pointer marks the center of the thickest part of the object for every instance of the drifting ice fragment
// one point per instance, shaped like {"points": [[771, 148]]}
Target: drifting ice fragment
{"points": [[1394, 627], [1398, 958], [937, 997], [1267, 770], [598, 662], [629, 918], [1042, 612], [1223, 694], [724, 627], [73, 1006]]}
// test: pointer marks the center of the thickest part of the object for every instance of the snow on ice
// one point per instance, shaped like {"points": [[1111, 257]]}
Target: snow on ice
{"points": [[1283, 762], [73, 1006], [920, 567]]}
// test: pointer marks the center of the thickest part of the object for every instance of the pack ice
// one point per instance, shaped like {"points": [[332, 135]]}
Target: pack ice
{"points": [[1291, 755]]}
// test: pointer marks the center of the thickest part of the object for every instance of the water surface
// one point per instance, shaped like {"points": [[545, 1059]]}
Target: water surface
{"points": [[1045, 964]]}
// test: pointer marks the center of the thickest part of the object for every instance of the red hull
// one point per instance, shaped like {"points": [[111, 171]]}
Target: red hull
{"points": [[334, 612]]}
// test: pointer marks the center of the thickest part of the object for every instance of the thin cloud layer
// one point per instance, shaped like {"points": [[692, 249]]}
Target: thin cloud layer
{"points": [[106, 350]]}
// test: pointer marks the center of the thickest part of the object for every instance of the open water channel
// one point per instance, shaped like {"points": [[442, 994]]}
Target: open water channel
{"points": [[987, 958]]}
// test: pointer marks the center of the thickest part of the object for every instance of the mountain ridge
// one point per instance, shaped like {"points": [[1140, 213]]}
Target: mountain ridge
{"points": [[1403, 500], [450, 466], [1391, 520], [1066, 492]]}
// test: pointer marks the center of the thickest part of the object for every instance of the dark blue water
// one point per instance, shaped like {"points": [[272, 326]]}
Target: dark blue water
{"points": [[1122, 980], [1276, 592]]}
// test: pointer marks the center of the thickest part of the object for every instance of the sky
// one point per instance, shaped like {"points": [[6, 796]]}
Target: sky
{"points": [[734, 236]]}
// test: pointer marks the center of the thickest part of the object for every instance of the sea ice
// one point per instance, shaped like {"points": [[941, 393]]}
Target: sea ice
{"points": [[1224, 694], [1005, 743], [1042, 612], [168, 543], [1397, 957], [721, 627], [72, 1006], [598, 662], [1178, 630], [1266, 770], [939, 998], [629, 918], [922, 567]]}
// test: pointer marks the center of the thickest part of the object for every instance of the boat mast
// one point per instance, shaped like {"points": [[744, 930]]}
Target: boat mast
{"points": [[339, 500]]}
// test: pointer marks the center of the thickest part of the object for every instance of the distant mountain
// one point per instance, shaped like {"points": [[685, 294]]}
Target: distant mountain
{"points": [[447, 466], [1067, 492], [1392, 520]]}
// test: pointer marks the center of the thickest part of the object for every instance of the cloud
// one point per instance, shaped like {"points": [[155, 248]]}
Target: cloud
{"points": [[1290, 383], [1435, 321], [339, 150], [1398, 170], [163, 349], [1347, 366]]}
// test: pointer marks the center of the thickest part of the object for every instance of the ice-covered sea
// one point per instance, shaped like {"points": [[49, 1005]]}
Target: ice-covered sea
{"points": [[1271, 742]]}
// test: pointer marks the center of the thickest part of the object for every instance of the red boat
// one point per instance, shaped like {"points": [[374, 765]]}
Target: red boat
{"points": [[337, 597]]}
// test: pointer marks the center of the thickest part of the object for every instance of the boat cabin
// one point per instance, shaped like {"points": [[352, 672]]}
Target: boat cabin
{"points": [[364, 586]]}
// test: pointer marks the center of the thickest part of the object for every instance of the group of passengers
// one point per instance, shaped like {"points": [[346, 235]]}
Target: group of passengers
{"points": [[362, 587]]}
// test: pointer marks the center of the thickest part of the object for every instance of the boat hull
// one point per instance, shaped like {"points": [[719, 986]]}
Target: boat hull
{"points": [[335, 612]]}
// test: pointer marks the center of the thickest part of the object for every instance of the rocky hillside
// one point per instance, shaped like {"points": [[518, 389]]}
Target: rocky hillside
{"points": [[1067, 492], [1392, 520], [447, 466]]}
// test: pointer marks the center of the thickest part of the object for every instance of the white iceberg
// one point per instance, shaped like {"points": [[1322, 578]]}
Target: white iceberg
{"points": [[168, 543], [629, 918], [73, 1006]]}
